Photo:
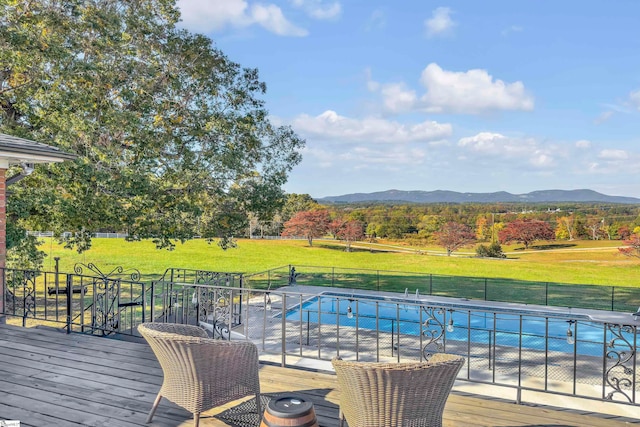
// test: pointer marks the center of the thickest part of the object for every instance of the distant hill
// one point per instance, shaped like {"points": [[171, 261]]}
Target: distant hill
{"points": [[440, 196]]}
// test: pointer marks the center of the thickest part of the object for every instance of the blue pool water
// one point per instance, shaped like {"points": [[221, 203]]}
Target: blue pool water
{"points": [[469, 324]]}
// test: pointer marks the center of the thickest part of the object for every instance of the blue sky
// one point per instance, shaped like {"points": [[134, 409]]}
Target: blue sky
{"points": [[476, 96]]}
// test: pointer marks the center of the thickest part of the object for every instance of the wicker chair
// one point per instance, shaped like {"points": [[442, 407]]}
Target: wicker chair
{"points": [[201, 373], [395, 394]]}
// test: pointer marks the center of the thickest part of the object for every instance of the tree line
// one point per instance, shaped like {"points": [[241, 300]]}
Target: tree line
{"points": [[455, 226]]}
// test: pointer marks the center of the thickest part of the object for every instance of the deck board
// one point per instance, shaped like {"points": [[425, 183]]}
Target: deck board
{"points": [[51, 378]]}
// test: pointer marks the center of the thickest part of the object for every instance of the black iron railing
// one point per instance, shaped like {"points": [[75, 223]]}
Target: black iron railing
{"points": [[91, 301]]}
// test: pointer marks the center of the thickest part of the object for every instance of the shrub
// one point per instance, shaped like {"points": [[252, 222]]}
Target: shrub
{"points": [[494, 250]]}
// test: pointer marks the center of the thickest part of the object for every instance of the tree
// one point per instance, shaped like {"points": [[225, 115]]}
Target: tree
{"points": [[624, 233], [295, 203], [526, 232], [429, 224], [453, 236], [172, 136], [483, 228], [350, 231], [565, 228], [334, 226], [632, 248], [308, 224], [596, 227]]}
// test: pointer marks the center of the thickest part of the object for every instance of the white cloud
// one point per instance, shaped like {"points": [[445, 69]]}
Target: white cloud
{"points": [[271, 18], [331, 126], [634, 97], [397, 98], [523, 150], [440, 22], [472, 92], [583, 143], [216, 15], [612, 154], [615, 161], [319, 9]]}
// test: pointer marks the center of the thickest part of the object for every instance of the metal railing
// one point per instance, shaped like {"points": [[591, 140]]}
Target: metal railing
{"points": [[529, 350], [526, 348], [89, 301]]}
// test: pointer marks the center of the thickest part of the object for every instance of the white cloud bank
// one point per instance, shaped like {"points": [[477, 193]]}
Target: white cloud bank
{"points": [[470, 92], [216, 15], [440, 22], [525, 150], [331, 126]]}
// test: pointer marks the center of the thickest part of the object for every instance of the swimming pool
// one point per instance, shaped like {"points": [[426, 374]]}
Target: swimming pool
{"points": [[456, 322]]}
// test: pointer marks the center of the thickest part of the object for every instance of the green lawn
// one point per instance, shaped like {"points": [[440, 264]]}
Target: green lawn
{"points": [[566, 262]]}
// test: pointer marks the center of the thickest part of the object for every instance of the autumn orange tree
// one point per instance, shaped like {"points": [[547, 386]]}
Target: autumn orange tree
{"points": [[632, 247], [308, 224], [453, 236], [350, 231], [526, 231]]}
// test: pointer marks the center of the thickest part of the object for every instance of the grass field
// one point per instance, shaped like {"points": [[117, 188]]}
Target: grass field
{"points": [[588, 262]]}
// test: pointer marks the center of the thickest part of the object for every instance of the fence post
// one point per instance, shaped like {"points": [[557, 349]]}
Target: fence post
{"points": [[333, 275], [430, 284], [378, 280], [546, 293], [485, 289], [613, 289]]}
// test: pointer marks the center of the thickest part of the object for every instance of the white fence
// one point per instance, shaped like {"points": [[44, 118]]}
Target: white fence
{"points": [[68, 234]]}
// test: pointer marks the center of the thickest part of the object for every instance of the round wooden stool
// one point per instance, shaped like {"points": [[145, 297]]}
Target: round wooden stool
{"points": [[289, 411]]}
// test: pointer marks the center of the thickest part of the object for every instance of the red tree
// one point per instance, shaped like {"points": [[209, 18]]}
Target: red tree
{"points": [[624, 232], [350, 231], [453, 236], [526, 231], [633, 246], [309, 224]]}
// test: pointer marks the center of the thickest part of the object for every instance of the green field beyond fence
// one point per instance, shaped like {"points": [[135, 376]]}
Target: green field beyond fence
{"points": [[590, 274], [614, 298]]}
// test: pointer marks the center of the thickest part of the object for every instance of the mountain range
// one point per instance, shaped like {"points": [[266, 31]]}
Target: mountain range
{"points": [[442, 196]]}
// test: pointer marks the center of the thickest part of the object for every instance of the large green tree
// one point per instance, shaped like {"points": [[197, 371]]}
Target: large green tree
{"points": [[173, 138]]}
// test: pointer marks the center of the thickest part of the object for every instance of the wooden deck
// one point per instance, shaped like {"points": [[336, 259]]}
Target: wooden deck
{"points": [[48, 378]]}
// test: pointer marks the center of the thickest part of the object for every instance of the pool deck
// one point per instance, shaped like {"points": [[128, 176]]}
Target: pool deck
{"points": [[49, 378]]}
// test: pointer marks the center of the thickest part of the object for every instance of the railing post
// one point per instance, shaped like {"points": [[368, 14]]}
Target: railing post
{"points": [[308, 324], [519, 394], [393, 337], [144, 304], [69, 295], [283, 332], [152, 301]]}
